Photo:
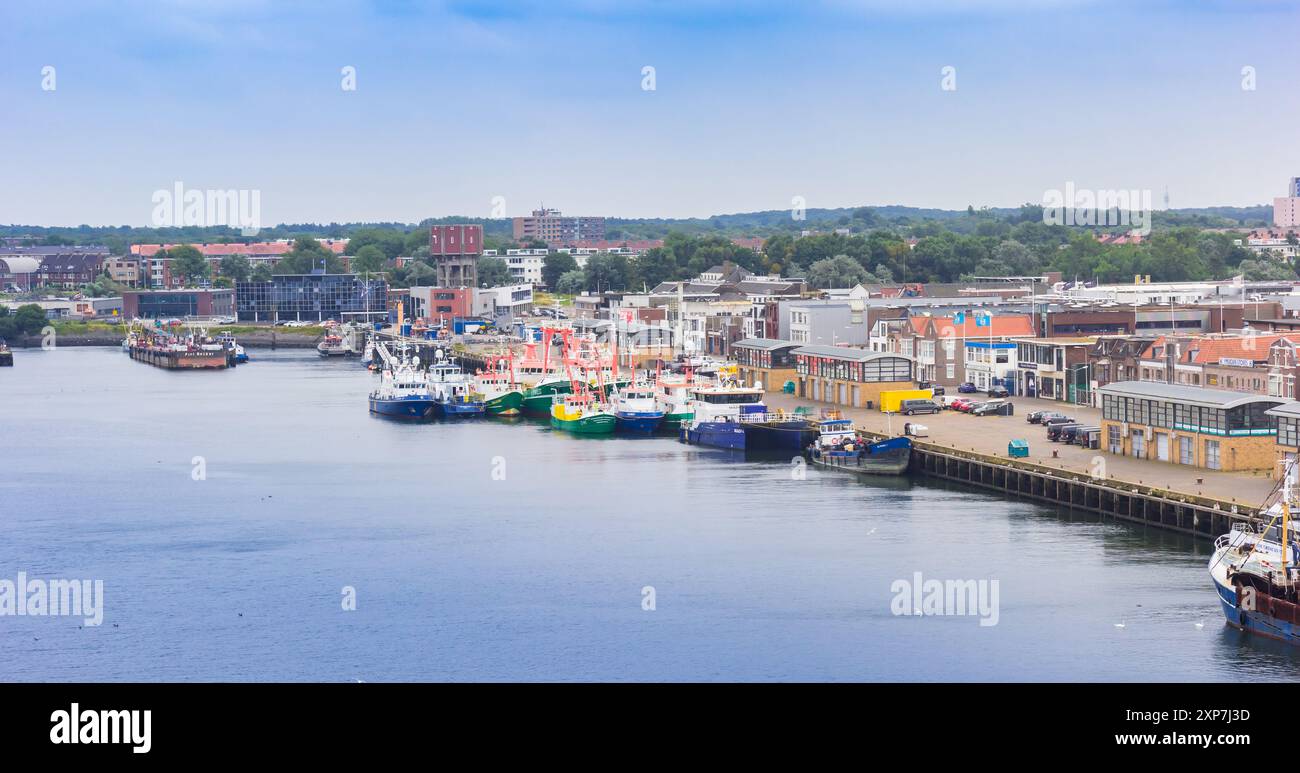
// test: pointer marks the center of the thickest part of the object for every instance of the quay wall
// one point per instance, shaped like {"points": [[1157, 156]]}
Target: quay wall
{"points": [[1178, 511]]}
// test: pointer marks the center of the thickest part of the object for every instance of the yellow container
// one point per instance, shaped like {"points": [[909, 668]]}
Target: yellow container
{"points": [[890, 401]]}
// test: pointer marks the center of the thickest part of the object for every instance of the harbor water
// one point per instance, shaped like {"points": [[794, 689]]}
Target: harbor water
{"points": [[232, 514]]}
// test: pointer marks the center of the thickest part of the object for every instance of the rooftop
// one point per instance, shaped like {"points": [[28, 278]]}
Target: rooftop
{"points": [[766, 344], [1189, 395], [847, 353]]}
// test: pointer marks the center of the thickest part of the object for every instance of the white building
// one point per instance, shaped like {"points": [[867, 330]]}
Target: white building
{"points": [[509, 301]]}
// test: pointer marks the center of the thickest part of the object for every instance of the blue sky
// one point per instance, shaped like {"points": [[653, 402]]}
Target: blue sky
{"points": [[837, 101]]}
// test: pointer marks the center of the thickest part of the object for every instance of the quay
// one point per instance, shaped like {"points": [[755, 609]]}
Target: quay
{"points": [[972, 450]]}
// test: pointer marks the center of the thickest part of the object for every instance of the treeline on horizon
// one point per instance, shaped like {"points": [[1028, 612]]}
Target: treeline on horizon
{"points": [[952, 246]]}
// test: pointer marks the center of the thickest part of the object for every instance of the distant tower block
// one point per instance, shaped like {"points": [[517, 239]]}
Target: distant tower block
{"points": [[455, 250]]}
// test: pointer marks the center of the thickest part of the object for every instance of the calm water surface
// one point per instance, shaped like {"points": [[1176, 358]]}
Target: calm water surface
{"points": [[538, 576]]}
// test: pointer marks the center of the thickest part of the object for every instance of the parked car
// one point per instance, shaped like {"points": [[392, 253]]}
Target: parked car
{"points": [[935, 389], [1054, 431], [1077, 435], [962, 404], [1057, 419], [1042, 417], [913, 407], [998, 391], [967, 388], [916, 430], [995, 408], [1089, 438]]}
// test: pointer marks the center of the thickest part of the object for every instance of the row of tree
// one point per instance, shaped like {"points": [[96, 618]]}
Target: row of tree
{"points": [[28, 319]]}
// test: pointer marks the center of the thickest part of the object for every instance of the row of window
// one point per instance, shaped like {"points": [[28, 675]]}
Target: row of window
{"points": [[1243, 419], [882, 369]]}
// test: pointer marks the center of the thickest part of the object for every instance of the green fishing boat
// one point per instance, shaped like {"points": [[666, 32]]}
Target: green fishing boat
{"points": [[582, 415], [505, 404]]}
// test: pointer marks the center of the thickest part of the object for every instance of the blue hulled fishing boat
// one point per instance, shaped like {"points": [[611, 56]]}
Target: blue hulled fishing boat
{"points": [[403, 392]]}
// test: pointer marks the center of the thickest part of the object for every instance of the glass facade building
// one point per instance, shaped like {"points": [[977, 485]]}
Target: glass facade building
{"points": [[313, 298]]}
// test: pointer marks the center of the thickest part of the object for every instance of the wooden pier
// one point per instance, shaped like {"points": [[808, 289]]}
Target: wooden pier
{"points": [[1160, 508]]}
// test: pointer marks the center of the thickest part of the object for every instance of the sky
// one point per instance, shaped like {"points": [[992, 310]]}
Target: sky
{"points": [[491, 107]]}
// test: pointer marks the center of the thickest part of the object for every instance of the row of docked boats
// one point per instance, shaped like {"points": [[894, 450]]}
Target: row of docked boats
{"points": [[583, 394]]}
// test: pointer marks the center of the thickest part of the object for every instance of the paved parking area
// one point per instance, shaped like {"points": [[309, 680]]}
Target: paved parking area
{"points": [[990, 435]]}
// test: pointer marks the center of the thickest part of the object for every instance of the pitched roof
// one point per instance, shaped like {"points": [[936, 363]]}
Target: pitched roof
{"points": [[1211, 350], [1002, 325]]}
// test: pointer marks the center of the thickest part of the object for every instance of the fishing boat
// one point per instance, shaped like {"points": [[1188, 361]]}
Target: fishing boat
{"points": [[838, 446], [582, 413], [6, 354], [636, 410], [403, 392], [502, 394], [716, 412], [453, 392], [1255, 570], [577, 353]]}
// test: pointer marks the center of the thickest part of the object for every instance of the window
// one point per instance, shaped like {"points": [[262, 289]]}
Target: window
{"points": [[1114, 440], [1184, 450], [951, 371], [1212, 454], [1287, 433]]}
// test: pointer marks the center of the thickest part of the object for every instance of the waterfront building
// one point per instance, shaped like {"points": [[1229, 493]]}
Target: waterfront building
{"points": [[438, 306], [1211, 428], [189, 302], [1287, 416], [313, 298], [552, 227], [853, 378], [455, 250], [1053, 368], [504, 303], [766, 363], [1115, 358], [939, 344]]}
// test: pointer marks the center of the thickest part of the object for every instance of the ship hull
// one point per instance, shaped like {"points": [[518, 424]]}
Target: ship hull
{"points": [[458, 410], [537, 401], [415, 409], [715, 434], [1257, 621], [181, 360], [599, 424], [891, 462], [672, 422], [638, 422], [508, 404], [793, 435]]}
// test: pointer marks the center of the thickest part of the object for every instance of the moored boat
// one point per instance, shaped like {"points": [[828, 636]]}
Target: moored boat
{"points": [[582, 414], [837, 445], [636, 410], [1256, 569], [6, 354], [403, 392], [453, 392], [716, 413]]}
